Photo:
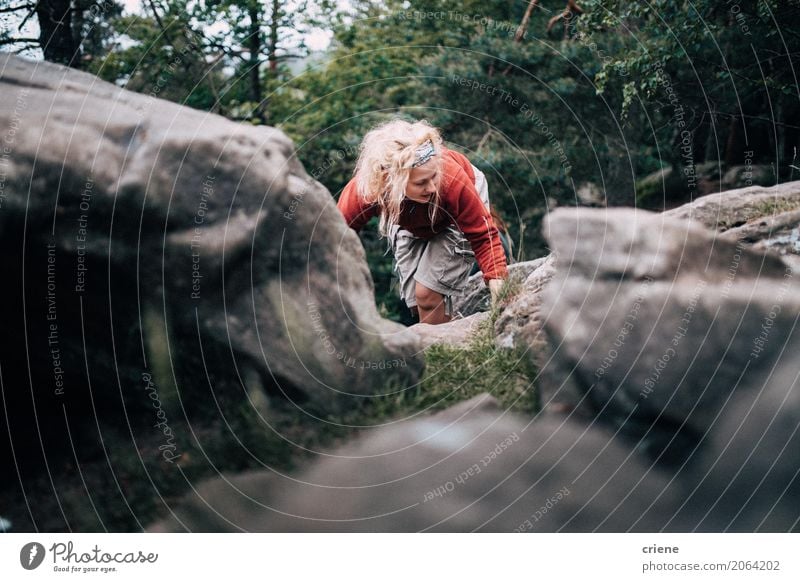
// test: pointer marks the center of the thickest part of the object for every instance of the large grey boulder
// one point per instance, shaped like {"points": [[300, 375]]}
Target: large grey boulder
{"points": [[469, 468], [733, 208], [458, 333], [476, 298], [666, 186], [656, 320], [519, 321], [157, 253], [519, 325], [474, 468], [748, 477], [778, 233]]}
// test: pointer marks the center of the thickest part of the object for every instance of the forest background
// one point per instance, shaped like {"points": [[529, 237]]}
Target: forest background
{"points": [[599, 102]]}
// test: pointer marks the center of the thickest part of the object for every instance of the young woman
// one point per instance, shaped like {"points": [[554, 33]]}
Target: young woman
{"points": [[430, 206]]}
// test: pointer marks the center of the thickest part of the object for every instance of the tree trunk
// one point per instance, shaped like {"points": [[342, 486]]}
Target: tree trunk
{"points": [[55, 36], [735, 144], [791, 135], [712, 146], [273, 35], [254, 46], [272, 45], [701, 139], [77, 27]]}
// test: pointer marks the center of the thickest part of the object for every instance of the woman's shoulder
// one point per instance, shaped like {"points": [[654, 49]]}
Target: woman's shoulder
{"points": [[454, 158], [457, 169]]}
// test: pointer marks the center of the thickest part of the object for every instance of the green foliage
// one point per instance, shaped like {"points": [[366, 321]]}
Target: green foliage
{"points": [[94, 23], [162, 58], [607, 97], [723, 68]]}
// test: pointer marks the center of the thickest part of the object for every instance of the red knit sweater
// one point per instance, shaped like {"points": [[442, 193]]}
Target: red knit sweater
{"points": [[459, 205]]}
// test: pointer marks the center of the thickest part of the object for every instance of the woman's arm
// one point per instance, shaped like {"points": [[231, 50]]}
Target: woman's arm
{"points": [[475, 221], [356, 213]]}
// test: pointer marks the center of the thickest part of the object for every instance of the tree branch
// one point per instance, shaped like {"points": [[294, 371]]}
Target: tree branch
{"points": [[27, 16], [27, 47], [155, 14], [230, 51], [16, 40], [483, 140], [15, 8], [523, 26], [570, 9]]}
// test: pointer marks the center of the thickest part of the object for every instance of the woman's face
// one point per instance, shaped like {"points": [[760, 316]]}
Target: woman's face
{"points": [[422, 183]]}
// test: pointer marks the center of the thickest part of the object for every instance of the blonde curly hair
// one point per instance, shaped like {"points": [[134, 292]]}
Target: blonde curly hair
{"points": [[385, 160]]}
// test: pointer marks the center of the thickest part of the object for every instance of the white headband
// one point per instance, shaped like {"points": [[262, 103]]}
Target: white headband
{"points": [[423, 153]]}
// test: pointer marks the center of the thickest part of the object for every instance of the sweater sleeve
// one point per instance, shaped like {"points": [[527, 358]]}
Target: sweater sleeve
{"points": [[356, 213], [475, 221]]}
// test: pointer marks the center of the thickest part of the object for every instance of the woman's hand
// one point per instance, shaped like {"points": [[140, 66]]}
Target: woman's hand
{"points": [[495, 287]]}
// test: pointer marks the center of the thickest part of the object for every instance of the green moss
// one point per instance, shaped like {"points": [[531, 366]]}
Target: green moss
{"points": [[755, 211], [772, 207]]}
